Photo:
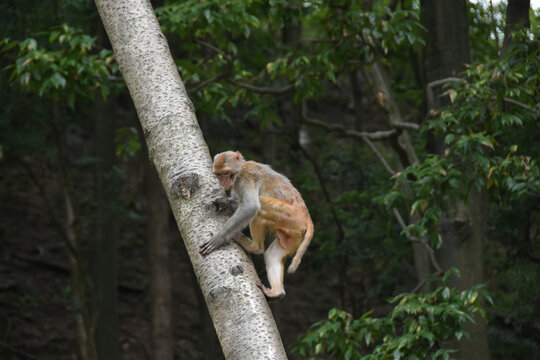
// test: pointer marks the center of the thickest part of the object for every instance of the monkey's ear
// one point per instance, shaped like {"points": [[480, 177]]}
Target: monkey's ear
{"points": [[238, 156]]}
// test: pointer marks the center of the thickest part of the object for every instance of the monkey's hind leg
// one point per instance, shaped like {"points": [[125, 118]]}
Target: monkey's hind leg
{"points": [[243, 240], [274, 258], [258, 232], [258, 229]]}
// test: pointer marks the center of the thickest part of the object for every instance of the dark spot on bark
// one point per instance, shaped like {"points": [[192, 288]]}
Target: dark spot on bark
{"points": [[218, 292], [237, 270]]}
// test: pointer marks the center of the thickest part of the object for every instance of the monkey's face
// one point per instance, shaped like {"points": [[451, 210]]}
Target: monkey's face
{"points": [[226, 166], [226, 179]]}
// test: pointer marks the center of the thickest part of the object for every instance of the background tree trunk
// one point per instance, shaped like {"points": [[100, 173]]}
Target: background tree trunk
{"points": [[160, 272], [240, 313], [83, 324], [463, 224], [517, 17], [103, 247], [405, 154]]}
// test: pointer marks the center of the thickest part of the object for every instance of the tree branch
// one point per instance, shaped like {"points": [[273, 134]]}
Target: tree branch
{"points": [[55, 220], [440, 82], [326, 195], [361, 135], [383, 91], [379, 156], [519, 104], [402, 125], [215, 49], [411, 238], [262, 90], [378, 135], [205, 82], [256, 89], [429, 89]]}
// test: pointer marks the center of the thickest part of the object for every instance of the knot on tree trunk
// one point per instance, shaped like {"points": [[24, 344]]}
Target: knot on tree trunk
{"points": [[456, 229], [218, 292], [184, 183], [220, 202]]}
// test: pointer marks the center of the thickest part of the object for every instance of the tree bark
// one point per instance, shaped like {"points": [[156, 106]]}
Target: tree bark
{"points": [[447, 46], [240, 313], [517, 17], [463, 223], [464, 234]]}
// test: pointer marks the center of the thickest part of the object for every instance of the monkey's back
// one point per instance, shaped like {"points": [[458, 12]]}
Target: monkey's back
{"points": [[273, 184]]}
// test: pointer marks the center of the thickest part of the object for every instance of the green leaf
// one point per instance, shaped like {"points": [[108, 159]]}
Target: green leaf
{"points": [[446, 293], [368, 338], [43, 87], [58, 80], [247, 31], [31, 44], [8, 45], [452, 94], [208, 15], [53, 36]]}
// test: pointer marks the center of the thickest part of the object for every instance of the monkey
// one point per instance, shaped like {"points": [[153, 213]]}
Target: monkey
{"points": [[268, 202]]}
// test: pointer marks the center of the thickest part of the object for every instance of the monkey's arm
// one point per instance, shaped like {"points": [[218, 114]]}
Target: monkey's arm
{"points": [[248, 207], [233, 201]]}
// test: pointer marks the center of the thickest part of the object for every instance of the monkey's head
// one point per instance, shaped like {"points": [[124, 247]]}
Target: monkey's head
{"points": [[226, 166]]}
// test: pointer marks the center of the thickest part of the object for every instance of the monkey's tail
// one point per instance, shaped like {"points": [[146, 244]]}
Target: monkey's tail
{"points": [[301, 249]]}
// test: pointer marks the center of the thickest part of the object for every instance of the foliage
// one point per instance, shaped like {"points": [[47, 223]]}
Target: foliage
{"points": [[64, 68], [233, 69], [492, 108], [517, 310], [415, 328], [127, 142], [486, 29]]}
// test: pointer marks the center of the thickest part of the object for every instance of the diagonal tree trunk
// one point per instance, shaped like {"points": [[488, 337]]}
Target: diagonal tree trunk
{"points": [[241, 316]]}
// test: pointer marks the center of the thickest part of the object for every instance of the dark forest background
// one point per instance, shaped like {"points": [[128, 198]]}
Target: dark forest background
{"points": [[410, 127]]}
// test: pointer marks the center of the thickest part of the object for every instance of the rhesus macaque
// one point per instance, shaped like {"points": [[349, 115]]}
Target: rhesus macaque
{"points": [[267, 201]]}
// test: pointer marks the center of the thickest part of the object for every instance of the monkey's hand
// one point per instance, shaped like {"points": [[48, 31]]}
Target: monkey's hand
{"points": [[215, 242]]}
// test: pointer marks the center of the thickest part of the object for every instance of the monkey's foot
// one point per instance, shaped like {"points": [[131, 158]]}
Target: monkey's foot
{"points": [[271, 295]]}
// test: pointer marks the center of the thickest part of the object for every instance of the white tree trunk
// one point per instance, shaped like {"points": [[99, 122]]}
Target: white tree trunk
{"points": [[241, 316]]}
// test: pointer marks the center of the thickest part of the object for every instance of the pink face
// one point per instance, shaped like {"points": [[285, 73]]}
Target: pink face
{"points": [[225, 178]]}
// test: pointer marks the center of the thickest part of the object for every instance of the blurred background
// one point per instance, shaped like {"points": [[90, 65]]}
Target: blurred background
{"points": [[407, 171]]}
